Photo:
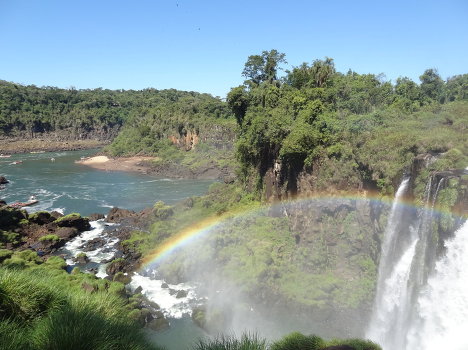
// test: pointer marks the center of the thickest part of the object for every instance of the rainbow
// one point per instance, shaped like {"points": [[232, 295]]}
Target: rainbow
{"points": [[207, 225]]}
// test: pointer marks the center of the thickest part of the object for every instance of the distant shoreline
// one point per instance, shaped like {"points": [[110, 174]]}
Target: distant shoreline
{"points": [[12, 146]]}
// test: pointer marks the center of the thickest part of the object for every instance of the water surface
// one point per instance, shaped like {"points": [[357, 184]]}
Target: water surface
{"points": [[70, 187]]}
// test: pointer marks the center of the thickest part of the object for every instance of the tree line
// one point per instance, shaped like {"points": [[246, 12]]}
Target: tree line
{"points": [[313, 113]]}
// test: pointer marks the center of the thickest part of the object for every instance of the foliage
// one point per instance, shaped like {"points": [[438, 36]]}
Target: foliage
{"points": [[322, 120], [293, 341], [53, 238], [43, 307], [226, 342], [297, 340]]}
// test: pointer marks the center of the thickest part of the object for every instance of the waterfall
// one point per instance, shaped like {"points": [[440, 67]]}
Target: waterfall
{"points": [[391, 297], [421, 302], [442, 305]]}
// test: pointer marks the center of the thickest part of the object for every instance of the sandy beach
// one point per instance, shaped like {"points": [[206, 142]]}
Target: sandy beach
{"points": [[136, 164]]}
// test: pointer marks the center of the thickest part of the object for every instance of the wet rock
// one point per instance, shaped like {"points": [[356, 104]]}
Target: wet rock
{"points": [[56, 214], [150, 304], [172, 291], [96, 216], [138, 290], [164, 285], [181, 294], [74, 220], [81, 258], [3, 180], [117, 265], [120, 277], [2, 203], [116, 215], [94, 244]]}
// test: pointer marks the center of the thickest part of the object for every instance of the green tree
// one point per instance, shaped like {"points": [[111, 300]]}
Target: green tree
{"points": [[264, 67], [431, 84]]}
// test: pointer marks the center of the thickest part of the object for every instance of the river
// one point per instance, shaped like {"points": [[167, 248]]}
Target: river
{"points": [[68, 187]]}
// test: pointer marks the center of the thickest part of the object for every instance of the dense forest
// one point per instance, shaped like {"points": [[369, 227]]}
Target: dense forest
{"points": [[350, 129], [32, 110]]}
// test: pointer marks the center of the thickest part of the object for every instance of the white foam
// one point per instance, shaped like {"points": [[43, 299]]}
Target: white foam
{"points": [[170, 305], [443, 305], [75, 246]]}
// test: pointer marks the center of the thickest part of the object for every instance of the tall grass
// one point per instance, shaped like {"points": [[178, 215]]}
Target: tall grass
{"points": [[40, 310], [230, 342]]}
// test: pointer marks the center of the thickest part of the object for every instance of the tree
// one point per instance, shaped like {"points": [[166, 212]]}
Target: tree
{"points": [[431, 84], [264, 67], [322, 70], [238, 101]]}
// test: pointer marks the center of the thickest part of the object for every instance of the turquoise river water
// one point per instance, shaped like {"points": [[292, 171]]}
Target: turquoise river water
{"points": [[69, 187]]}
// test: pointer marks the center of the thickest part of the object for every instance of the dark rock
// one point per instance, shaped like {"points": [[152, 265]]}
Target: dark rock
{"points": [[151, 304], [94, 244], [2, 203], [96, 216], [74, 220], [115, 266], [172, 291], [3, 180], [41, 218], [164, 285], [116, 215], [120, 277], [66, 233], [181, 294], [81, 259], [138, 290], [56, 214]]}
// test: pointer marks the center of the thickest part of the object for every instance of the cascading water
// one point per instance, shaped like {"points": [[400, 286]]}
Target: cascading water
{"points": [[391, 297], [442, 305], [420, 303]]}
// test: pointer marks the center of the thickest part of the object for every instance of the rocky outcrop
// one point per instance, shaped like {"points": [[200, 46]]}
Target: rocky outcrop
{"points": [[3, 180], [117, 215], [95, 216], [74, 220], [41, 231], [116, 266]]}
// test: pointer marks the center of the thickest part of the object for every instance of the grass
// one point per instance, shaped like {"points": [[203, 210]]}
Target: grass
{"points": [[43, 307], [293, 341]]}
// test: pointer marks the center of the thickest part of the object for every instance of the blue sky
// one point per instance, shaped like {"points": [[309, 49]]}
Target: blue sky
{"points": [[203, 45]]}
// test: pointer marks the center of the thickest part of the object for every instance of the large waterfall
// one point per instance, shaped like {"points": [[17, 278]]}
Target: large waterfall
{"points": [[421, 302]]}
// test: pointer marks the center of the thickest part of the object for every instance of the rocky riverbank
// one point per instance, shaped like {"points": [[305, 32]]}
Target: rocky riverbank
{"points": [[18, 145], [42, 232]]}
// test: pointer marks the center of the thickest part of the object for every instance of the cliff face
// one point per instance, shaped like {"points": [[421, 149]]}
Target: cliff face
{"points": [[216, 136], [343, 237], [104, 134]]}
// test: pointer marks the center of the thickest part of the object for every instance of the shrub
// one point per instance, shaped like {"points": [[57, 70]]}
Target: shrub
{"points": [[224, 342], [297, 340], [49, 238]]}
